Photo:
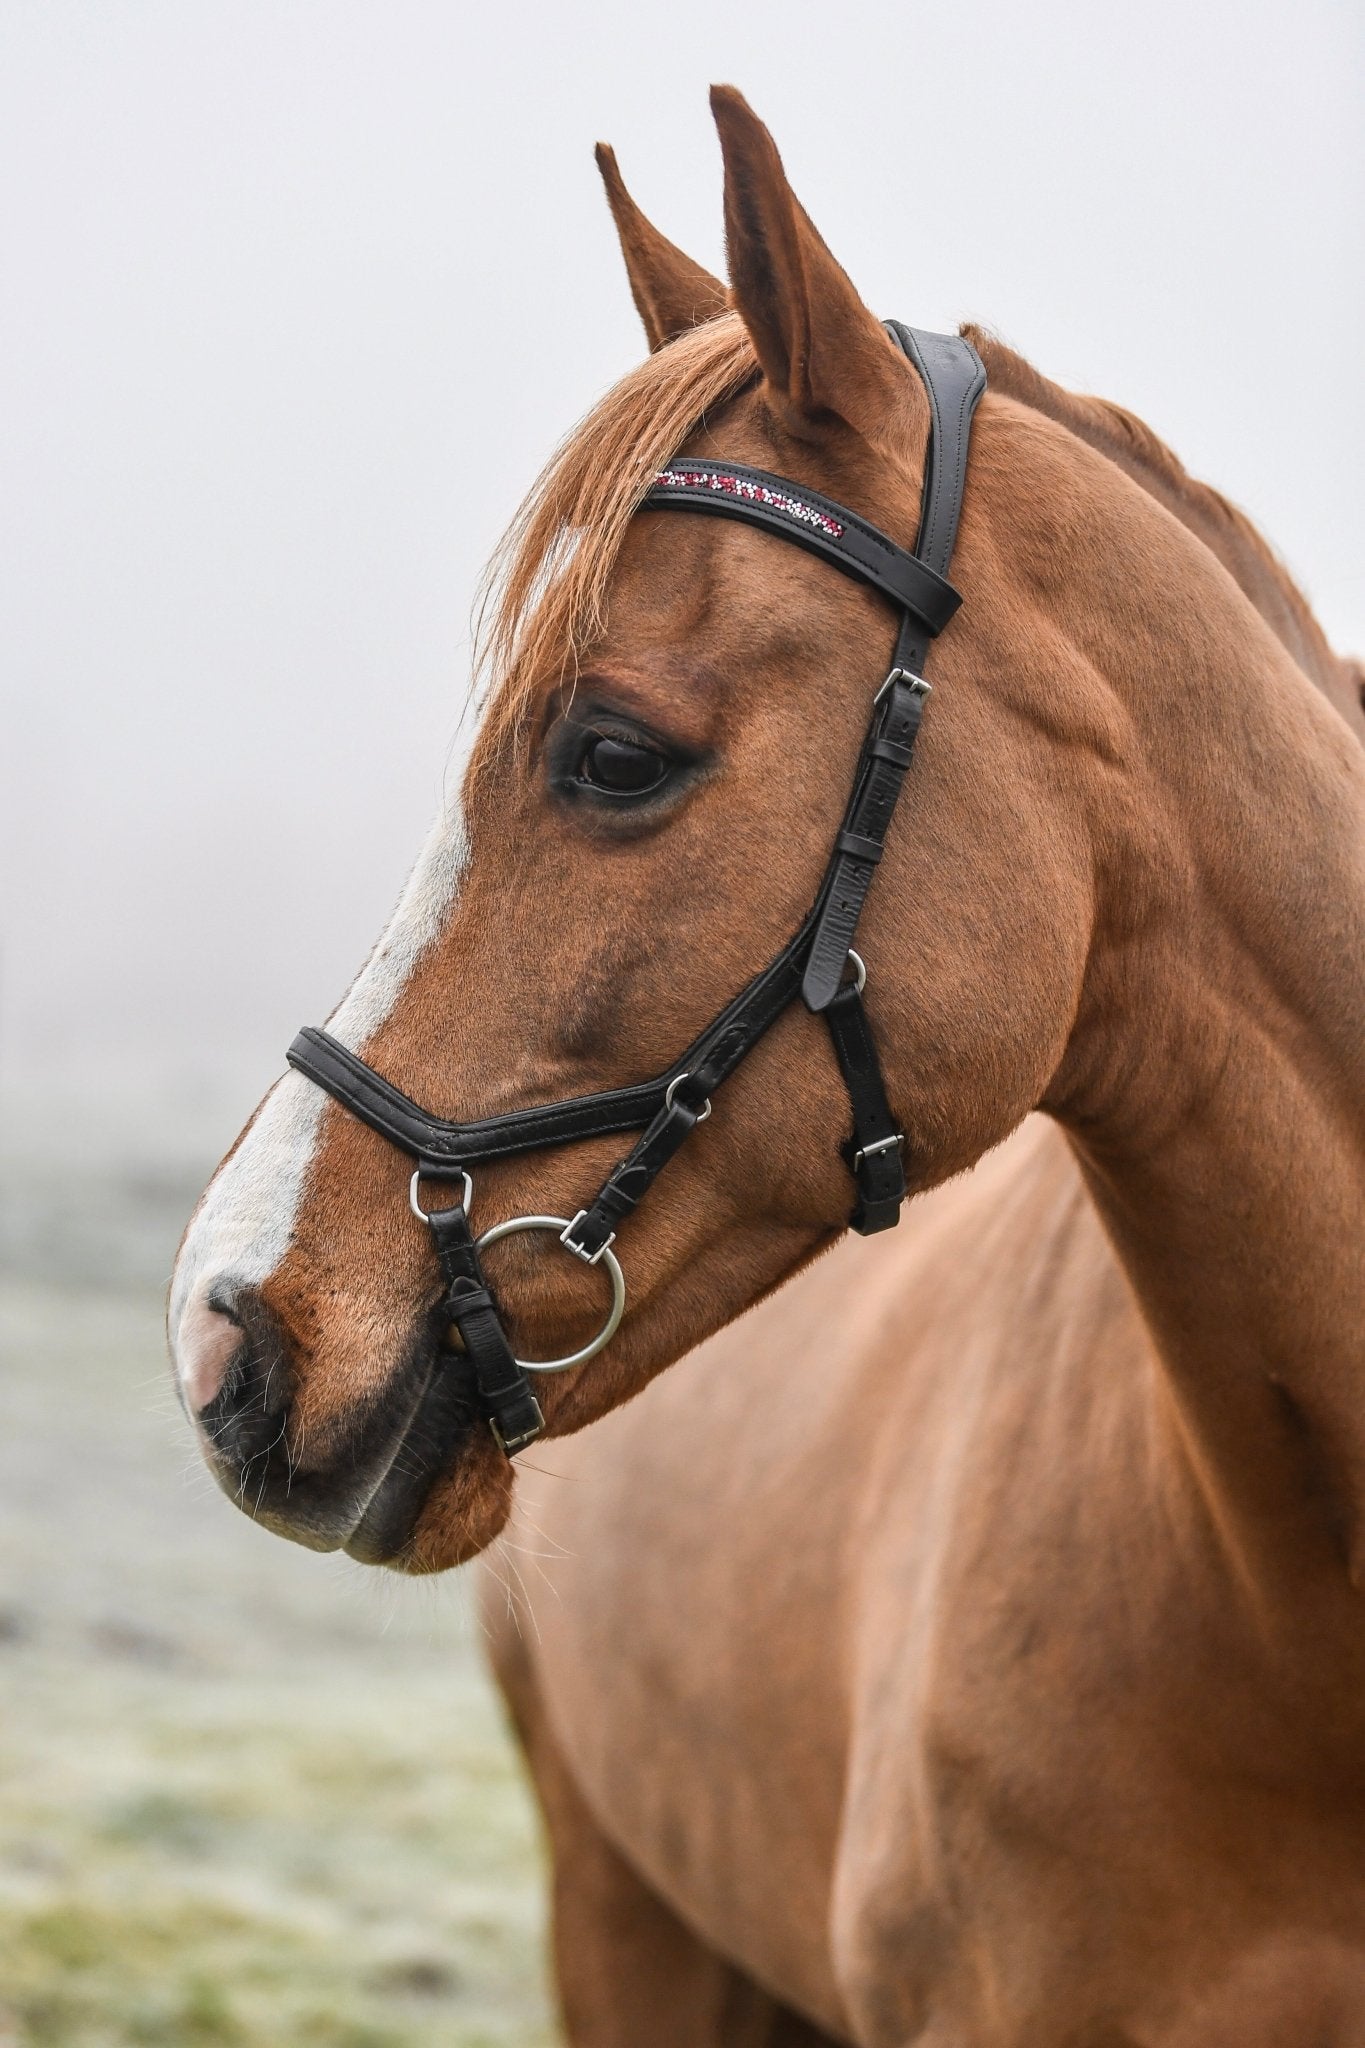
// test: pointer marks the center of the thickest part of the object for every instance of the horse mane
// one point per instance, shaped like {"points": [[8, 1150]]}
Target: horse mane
{"points": [[1239, 546], [543, 597]]}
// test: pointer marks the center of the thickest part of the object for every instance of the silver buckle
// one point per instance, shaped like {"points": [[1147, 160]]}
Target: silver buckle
{"points": [[566, 1238], [903, 675], [510, 1445], [882, 1145]]}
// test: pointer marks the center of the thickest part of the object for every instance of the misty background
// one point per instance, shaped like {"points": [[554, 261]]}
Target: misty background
{"points": [[298, 297]]}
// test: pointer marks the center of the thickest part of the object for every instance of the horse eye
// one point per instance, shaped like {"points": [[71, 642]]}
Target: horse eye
{"points": [[622, 767]]}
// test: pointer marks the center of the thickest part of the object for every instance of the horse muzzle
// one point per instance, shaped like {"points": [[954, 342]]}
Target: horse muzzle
{"points": [[356, 1480]]}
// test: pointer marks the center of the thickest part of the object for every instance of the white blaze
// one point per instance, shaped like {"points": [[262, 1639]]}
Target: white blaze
{"points": [[245, 1222]]}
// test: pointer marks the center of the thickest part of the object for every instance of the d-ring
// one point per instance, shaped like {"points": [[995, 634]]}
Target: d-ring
{"points": [[859, 970], [466, 1195], [676, 1083], [559, 1224]]}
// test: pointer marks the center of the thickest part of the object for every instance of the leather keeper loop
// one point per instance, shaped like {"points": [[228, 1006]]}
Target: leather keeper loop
{"points": [[859, 847], [892, 751], [464, 1298]]}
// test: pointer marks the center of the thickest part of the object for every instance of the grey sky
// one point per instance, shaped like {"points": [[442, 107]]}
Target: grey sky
{"points": [[296, 298]]}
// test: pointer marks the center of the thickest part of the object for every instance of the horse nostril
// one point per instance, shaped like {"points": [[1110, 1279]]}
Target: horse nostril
{"points": [[233, 1360], [206, 1344]]}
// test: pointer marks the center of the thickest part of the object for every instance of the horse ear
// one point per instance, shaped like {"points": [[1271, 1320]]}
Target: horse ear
{"points": [[822, 352], [671, 292]]}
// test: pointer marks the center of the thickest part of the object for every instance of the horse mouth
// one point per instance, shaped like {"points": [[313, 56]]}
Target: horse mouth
{"points": [[365, 1492], [422, 1449]]}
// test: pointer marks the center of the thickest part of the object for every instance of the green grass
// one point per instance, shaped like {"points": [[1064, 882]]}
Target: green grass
{"points": [[249, 1798], [285, 1868]]}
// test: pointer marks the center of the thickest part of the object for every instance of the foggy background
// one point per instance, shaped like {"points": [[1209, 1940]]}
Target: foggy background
{"points": [[297, 298]]}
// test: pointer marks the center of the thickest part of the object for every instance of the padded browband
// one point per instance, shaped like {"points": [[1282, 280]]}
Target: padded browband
{"points": [[814, 522]]}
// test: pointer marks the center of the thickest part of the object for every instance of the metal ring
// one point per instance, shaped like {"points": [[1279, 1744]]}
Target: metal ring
{"points": [[466, 1197], [859, 970], [676, 1083], [618, 1290]]}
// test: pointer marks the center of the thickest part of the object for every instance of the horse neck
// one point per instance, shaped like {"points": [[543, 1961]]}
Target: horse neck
{"points": [[1214, 1084], [1135, 449]]}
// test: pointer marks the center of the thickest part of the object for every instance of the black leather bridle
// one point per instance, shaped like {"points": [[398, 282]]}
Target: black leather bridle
{"points": [[813, 963]]}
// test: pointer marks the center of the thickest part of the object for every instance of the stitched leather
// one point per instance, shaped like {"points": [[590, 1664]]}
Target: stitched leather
{"points": [[627, 1182], [954, 378], [503, 1389], [868, 819], [444, 1149]]}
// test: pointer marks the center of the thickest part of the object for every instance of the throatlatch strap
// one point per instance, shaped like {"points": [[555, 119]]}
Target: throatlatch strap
{"points": [[873, 1153]]}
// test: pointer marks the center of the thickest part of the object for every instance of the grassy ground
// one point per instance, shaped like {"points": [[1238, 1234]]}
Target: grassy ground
{"points": [[249, 1797]]}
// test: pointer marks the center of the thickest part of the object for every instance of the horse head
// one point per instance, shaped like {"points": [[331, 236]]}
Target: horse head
{"points": [[674, 717]]}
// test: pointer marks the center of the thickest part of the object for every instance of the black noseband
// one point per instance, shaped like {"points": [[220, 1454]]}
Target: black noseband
{"points": [[813, 964]]}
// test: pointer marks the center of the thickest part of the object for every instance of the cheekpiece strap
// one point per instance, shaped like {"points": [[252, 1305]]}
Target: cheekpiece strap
{"points": [[954, 379], [881, 774]]}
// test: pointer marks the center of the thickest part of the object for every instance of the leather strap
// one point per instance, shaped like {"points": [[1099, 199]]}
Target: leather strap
{"points": [[732, 490], [594, 1230], [873, 1153], [876, 789], [503, 1389], [444, 1149], [954, 379]]}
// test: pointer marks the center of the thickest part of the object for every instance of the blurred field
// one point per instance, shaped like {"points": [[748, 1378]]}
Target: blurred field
{"points": [[248, 1797]]}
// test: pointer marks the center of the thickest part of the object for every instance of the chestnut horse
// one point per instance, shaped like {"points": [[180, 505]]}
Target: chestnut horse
{"points": [[966, 1648]]}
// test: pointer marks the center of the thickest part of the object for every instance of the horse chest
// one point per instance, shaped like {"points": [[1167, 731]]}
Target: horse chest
{"points": [[958, 1743]]}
